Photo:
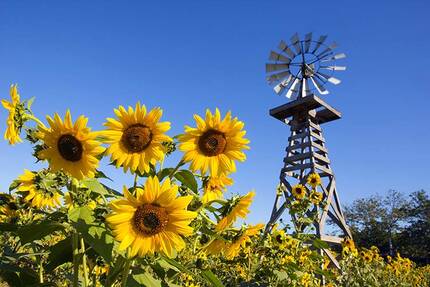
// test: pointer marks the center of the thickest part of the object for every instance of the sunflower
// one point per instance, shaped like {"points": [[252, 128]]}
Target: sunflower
{"points": [[232, 249], [153, 221], [8, 207], [31, 184], [279, 238], [214, 144], [70, 147], [214, 187], [316, 197], [298, 191], [136, 137], [239, 208], [215, 247], [314, 179], [71, 201], [15, 119]]}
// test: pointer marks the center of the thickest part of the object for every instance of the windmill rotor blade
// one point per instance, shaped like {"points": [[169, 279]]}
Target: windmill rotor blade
{"points": [[278, 57], [276, 67], [305, 88], [335, 57], [333, 68], [331, 79], [319, 43], [284, 48], [319, 86], [308, 39], [327, 51], [279, 88], [292, 89], [277, 76], [295, 40]]}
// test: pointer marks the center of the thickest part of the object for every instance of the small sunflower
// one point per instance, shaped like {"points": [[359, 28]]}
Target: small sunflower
{"points": [[348, 243], [8, 208], [215, 247], [316, 197], [239, 208], [214, 144], [279, 238], [233, 249], [153, 221], [214, 187], [314, 179], [367, 256], [35, 192], [15, 120], [298, 191], [70, 147], [136, 138]]}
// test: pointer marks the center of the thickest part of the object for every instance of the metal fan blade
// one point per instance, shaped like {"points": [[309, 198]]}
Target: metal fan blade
{"points": [[331, 79], [335, 57], [279, 88], [319, 86], [333, 68], [327, 51], [276, 67], [277, 76], [284, 48], [308, 39], [295, 40], [319, 43], [278, 57], [292, 89]]}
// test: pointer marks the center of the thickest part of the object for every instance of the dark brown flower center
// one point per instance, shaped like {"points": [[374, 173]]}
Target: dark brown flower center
{"points": [[136, 138], [150, 219], [212, 143], [70, 148], [278, 238]]}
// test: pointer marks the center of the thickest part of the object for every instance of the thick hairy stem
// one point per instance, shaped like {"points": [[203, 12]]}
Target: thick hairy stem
{"points": [[125, 272], [84, 262], [75, 244]]}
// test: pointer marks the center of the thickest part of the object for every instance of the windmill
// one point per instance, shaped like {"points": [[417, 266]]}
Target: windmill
{"points": [[300, 70]]}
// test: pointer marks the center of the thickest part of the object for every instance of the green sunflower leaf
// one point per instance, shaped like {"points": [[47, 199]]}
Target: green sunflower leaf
{"points": [[144, 279], [36, 231], [95, 186], [187, 178], [211, 278]]}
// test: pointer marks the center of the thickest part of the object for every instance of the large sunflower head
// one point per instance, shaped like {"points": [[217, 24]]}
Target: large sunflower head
{"points": [[214, 144], [238, 208], [70, 147], [37, 190], [16, 119], [153, 220], [298, 191], [136, 137], [214, 187]]}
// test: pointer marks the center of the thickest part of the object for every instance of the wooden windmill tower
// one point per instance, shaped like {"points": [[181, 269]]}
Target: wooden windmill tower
{"points": [[299, 71]]}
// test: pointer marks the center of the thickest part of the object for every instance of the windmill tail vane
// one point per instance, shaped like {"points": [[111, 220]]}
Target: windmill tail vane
{"points": [[300, 70]]}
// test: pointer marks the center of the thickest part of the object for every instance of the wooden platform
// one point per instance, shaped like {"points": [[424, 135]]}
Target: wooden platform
{"points": [[324, 112]]}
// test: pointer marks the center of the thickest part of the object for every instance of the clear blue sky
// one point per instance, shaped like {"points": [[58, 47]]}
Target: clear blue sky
{"points": [[184, 56]]}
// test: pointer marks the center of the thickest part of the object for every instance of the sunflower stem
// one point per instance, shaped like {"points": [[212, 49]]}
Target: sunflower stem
{"points": [[125, 273], [39, 122], [84, 262], [40, 270], [75, 259], [180, 163]]}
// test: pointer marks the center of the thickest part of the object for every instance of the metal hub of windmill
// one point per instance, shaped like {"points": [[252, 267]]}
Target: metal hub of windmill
{"points": [[303, 66]]}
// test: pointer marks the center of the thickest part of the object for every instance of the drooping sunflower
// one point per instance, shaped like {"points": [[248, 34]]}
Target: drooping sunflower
{"points": [[35, 194], [316, 197], [214, 187], [214, 144], [153, 221], [215, 247], [72, 148], [239, 208], [15, 119], [232, 250], [298, 191], [136, 137], [314, 179]]}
